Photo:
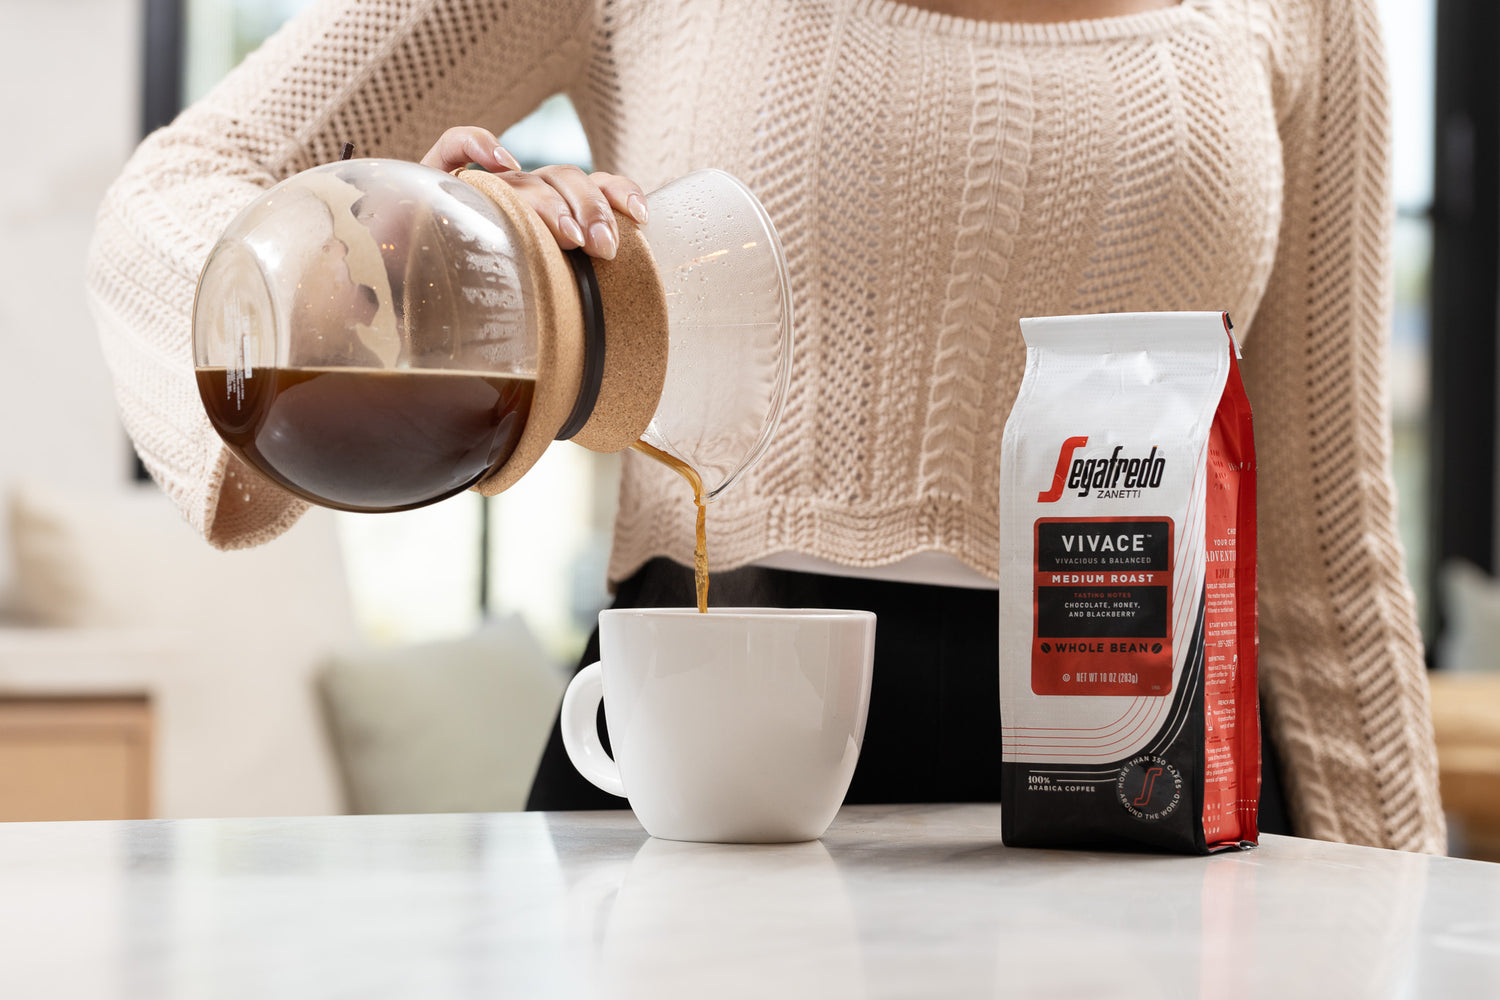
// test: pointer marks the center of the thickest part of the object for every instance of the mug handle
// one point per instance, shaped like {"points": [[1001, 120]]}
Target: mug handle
{"points": [[580, 730]]}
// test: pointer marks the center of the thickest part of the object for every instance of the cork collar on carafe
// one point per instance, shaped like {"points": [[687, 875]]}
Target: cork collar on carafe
{"points": [[634, 335]]}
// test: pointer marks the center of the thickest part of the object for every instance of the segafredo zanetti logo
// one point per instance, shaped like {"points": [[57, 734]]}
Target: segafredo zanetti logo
{"points": [[1116, 476]]}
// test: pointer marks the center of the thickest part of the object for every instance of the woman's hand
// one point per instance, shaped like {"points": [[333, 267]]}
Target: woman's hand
{"points": [[575, 206]]}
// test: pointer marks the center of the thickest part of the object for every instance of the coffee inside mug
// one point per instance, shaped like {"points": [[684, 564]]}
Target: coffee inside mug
{"points": [[742, 725]]}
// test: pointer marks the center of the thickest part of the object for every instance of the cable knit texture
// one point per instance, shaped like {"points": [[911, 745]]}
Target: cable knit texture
{"points": [[934, 179]]}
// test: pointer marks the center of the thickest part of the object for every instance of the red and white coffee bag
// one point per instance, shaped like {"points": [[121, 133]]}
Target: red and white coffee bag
{"points": [[1127, 588]]}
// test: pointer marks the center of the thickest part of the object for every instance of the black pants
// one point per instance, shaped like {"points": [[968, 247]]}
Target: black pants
{"points": [[933, 733]]}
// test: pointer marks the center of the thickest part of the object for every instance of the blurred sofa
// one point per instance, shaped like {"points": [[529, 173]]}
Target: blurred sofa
{"points": [[263, 698]]}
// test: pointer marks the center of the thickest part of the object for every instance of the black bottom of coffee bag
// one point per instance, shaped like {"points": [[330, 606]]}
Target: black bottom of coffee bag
{"points": [[1151, 799]]}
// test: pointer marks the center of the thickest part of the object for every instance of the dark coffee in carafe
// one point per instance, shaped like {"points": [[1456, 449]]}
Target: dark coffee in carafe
{"points": [[364, 439]]}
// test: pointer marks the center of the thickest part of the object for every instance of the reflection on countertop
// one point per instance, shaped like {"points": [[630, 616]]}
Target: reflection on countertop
{"points": [[894, 901]]}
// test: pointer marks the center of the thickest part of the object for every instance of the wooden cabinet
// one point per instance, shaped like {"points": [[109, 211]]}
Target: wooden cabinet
{"points": [[75, 758], [1466, 721]]}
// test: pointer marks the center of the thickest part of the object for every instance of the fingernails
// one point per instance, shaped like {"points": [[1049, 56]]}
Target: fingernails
{"points": [[604, 240], [503, 155], [636, 206], [570, 229]]}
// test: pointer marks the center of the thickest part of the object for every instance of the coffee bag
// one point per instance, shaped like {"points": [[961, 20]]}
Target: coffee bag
{"points": [[1127, 588]]}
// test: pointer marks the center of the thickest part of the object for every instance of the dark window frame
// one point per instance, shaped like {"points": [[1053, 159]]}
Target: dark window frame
{"points": [[162, 55], [1463, 304]]}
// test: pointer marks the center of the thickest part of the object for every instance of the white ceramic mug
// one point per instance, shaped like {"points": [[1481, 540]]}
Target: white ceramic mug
{"points": [[742, 725]]}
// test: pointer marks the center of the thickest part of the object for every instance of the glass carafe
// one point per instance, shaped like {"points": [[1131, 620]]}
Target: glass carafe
{"points": [[375, 335]]}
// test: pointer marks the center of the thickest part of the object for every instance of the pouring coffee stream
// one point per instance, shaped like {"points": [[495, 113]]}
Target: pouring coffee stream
{"points": [[376, 335], [700, 545]]}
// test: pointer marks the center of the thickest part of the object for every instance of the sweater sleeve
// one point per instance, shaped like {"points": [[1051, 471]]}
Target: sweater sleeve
{"points": [[1342, 671], [388, 76]]}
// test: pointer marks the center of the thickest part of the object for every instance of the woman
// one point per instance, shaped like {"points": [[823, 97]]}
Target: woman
{"points": [[936, 171]]}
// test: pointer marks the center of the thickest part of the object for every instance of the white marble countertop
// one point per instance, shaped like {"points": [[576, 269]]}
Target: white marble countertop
{"points": [[898, 901]]}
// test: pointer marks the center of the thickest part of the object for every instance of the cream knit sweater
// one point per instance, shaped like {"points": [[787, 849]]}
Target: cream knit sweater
{"points": [[933, 179]]}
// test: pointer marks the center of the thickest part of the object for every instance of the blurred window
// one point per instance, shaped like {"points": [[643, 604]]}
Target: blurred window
{"points": [[1412, 69]]}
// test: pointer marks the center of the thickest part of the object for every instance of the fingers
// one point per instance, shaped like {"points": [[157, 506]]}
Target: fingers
{"points": [[553, 208], [578, 208], [591, 213], [623, 193], [465, 144]]}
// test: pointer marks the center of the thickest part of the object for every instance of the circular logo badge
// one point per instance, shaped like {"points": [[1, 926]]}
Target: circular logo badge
{"points": [[1149, 788]]}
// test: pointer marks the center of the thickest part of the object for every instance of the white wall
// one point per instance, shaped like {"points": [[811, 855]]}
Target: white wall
{"points": [[69, 71]]}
